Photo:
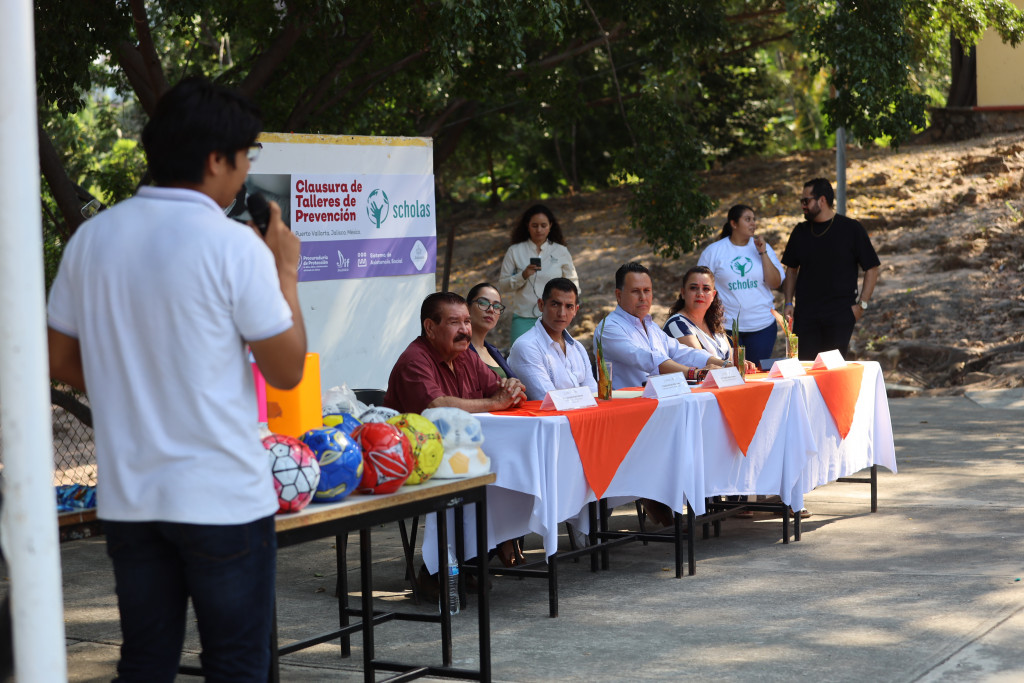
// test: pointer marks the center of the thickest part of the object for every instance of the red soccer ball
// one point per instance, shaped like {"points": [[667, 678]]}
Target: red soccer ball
{"points": [[387, 457], [295, 469]]}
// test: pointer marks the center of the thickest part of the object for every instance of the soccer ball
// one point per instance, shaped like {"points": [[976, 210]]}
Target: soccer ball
{"points": [[296, 471], [343, 421], [387, 457], [463, 438], [341, 463], [427, 447], [377, 414]]}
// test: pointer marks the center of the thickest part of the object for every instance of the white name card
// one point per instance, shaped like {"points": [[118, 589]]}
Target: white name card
{"points": [[568, 399], [787, 369], [830, 360], [723, 377], [666, 386]]}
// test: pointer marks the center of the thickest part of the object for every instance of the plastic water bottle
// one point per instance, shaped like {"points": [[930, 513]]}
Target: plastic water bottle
{"points": [[453, 583]]}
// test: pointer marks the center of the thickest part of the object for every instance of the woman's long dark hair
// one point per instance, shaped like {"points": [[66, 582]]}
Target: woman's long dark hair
{"points": [[473, 293], [735, 213], [715, 312], [521, 232]]}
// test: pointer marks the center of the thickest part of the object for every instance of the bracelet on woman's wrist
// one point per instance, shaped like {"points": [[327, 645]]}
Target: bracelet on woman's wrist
{"points": [[762, 253]]}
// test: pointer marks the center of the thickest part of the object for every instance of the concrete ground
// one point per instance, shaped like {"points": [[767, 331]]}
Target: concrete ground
{"points": [[927, 589]]}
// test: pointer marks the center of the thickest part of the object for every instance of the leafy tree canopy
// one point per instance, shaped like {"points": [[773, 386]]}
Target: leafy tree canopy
{"points": [[522, 97]]}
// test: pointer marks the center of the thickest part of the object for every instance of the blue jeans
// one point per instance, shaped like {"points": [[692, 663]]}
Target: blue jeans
{"points": [[759, 344], [227, 570]]}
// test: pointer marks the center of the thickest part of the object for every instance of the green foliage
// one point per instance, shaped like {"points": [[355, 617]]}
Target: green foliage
{"points": [[523, 99], [100, 154], [879, 53], [667, 204]]}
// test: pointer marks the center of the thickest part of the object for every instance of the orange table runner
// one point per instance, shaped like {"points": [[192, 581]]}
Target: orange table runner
{"points": [[603, 435], [742, 407], [840, 388]]}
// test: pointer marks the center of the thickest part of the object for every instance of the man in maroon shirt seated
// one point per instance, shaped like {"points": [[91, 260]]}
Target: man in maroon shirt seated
{"points": [[435, 371]]}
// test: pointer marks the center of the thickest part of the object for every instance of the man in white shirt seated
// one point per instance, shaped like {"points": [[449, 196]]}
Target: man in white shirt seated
{"points": [[633, 343], [546, 357]]}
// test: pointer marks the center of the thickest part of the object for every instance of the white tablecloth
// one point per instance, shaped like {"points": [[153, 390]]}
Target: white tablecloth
{"points": [[869, 442], [685, 453]]}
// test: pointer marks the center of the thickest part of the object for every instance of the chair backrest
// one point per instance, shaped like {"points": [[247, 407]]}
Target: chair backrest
{"points": [[374, 397]]}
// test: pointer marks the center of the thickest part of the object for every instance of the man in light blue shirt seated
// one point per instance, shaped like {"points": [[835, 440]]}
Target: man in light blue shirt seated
{"points": [[546, 357], [635, 346]]}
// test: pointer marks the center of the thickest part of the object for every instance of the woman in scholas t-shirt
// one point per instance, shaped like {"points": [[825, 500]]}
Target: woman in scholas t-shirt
{"points": [[746, 271]]}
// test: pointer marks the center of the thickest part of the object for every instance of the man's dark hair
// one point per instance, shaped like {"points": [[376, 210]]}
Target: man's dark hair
{"points": [[631, 267], [820, 187], [193, 119], [431, 308], [560, 284]]}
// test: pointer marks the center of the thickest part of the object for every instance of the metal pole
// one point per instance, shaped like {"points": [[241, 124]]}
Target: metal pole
{"points": [[29, 525], [841, 170]]}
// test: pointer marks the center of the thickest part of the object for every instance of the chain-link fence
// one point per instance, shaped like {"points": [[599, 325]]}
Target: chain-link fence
{"points": [[74, 458]]}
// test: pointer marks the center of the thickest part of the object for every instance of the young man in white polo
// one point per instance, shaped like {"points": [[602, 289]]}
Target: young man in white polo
{"points": [[150, 314]]}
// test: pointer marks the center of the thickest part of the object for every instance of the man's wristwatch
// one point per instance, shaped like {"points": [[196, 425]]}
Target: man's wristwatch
{"points": [[863, 304]]}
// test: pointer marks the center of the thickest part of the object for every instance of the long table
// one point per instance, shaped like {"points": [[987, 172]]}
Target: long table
{"points": [[361, 513], [684, 454]]}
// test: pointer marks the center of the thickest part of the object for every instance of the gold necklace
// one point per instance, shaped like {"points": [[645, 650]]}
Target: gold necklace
{"points": [[827, 227]]}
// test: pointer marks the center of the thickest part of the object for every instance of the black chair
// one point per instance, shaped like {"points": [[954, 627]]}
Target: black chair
{"points": [[374, 397]]}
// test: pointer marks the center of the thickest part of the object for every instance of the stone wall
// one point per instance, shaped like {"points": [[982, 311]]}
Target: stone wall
{"points": [[961, 123]]}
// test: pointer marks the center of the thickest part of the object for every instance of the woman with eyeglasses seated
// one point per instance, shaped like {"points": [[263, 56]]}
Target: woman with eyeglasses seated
{"points": [[536, 254], [695, 319], [485, 309]]}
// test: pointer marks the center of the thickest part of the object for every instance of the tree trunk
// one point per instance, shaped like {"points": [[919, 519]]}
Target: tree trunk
{"points": [[61, 186], [963, 90]]}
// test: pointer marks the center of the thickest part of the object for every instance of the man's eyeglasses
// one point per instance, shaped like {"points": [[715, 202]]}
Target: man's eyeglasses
{"points": [[253, 153], [484, 304], [804, 201]]}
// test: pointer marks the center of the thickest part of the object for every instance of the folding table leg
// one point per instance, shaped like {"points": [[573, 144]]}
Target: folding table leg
{"points": [[592, 515], [483, 592], [691, 530], [553, 586], [874, 488], [605, 514], [366, 589], [677, 530], [341, 588]]}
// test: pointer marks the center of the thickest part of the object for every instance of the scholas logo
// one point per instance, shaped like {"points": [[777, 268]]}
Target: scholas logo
{"points": [[741, 265], [377, 207]]}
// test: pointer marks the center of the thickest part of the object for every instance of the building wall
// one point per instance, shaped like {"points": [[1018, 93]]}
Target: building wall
{"points": [[1000, 71]]}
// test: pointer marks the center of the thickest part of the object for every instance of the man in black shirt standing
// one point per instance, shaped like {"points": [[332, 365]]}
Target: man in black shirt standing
{"points": [[822, 259]]}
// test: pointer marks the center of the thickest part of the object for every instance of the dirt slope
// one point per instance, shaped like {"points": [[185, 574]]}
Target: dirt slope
{"points": [[946, 221]]}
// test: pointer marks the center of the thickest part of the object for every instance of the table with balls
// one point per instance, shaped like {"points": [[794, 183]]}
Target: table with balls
{"points": [[361, 513]]}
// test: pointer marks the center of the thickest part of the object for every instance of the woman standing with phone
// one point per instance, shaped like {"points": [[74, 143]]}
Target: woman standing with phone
{"points": [[537, 253]]}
